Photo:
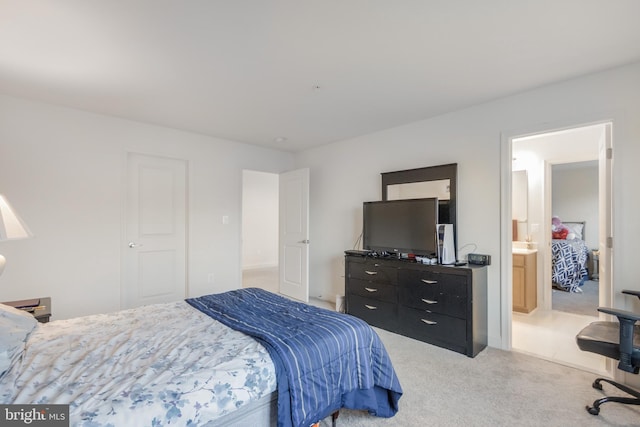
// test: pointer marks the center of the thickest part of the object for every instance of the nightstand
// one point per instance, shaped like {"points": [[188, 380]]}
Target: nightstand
{"points": [[39, 307]]}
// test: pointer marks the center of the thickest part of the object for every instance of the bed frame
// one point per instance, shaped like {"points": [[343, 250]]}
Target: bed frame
{"points": [[261, 412], [577, 222]]}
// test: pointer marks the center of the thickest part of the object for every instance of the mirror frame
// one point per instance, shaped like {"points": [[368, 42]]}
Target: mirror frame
{"points": [[430, 173]]}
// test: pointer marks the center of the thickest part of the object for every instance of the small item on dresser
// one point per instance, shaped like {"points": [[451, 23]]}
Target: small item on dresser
{"points": [[479, 259], [357, 252]]}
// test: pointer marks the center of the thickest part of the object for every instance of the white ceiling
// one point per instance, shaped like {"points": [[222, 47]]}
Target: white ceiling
{"points": [[247, 70]]}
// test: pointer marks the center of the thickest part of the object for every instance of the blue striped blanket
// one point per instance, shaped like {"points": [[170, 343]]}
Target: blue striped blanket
{"points": [[324, 360]]}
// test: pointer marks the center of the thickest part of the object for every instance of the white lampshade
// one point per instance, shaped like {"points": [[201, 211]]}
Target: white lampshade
{"points": [[11, 226]]}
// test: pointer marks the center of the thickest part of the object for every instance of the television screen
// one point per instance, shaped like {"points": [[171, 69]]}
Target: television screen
{"points": [[401, 226]]}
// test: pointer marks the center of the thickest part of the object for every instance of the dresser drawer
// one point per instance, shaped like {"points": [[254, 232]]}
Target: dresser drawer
{"points": [[373, 271], [376, 290], [450, 283], [445, 331], [438, 293], [374, 312], [424, 299]]}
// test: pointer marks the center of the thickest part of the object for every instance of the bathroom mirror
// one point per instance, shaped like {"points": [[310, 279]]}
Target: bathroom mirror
{"points": [[434, 181], [519, 207]]}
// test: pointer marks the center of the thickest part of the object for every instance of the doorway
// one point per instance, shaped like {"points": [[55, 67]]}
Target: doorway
{"points": [[548, 329], [575, 194], [260, 228], [275, 232]]}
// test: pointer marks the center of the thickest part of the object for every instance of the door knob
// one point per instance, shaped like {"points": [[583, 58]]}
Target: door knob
{"points": [[134, 245], [305, 241]]}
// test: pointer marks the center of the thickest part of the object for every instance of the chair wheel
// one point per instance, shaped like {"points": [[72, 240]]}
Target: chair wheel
{"points": [[592, 410], [597, 385]]}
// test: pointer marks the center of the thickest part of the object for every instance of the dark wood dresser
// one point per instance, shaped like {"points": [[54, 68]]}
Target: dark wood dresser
{"points": [[441, 305]]}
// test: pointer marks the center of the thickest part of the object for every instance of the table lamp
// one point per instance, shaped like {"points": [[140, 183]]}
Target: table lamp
{"points": [[11, 226]]}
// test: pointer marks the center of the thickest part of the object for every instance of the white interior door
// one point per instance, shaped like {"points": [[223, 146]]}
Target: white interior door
{"points": [[155, 231], [294, 234]]}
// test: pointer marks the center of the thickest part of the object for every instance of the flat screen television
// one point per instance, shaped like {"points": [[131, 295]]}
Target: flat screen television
{"points": [[401, 226]]}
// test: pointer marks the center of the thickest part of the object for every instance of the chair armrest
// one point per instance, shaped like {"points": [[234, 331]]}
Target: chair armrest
{"points": [[630, 292], [627, 321], [621, 314]]}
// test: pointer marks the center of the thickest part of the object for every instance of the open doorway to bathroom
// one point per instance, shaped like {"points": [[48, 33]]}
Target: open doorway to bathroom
{"points": [[260, 213], [557, 197]]}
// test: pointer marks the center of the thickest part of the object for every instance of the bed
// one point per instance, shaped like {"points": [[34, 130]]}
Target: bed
{"points": [[569, 258], [173, 364]]}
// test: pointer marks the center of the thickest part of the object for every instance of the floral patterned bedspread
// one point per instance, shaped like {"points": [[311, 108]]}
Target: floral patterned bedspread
{"points": [[163, 364]]}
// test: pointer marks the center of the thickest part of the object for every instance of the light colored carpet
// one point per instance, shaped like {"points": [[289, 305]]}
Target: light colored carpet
{"points": [[496, 388], [585, 302]]}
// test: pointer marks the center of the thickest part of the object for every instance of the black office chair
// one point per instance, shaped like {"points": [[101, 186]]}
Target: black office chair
{"points": [[617, 340]]}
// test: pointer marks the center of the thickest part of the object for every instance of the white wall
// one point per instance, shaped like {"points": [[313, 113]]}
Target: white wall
{"points": [[260, 222], [63, 170], [345, 174]]}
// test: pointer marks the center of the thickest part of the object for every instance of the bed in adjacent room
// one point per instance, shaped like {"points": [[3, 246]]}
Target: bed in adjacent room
{"points": [[183, 363], [569, 254]]}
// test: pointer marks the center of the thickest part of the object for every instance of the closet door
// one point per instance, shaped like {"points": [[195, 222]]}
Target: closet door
{"points": [[154, 247]]}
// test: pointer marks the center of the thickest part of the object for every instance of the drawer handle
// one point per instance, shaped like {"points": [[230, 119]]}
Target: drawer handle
{"points": [[429, 301], [429, 322], [371, 307], [429, 282], [370, 289], [371, 273]]}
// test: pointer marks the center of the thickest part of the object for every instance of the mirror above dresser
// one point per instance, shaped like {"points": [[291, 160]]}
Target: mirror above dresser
{"points": [[433, 181]]}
